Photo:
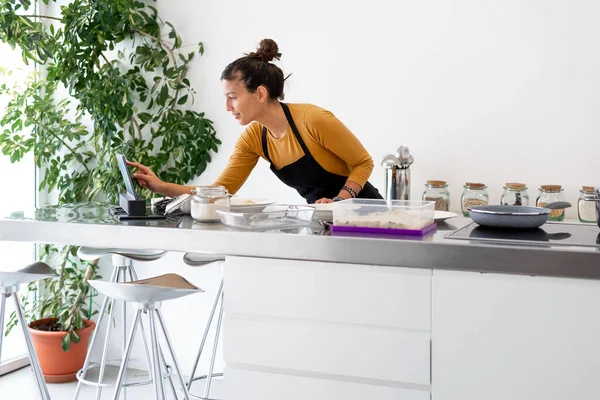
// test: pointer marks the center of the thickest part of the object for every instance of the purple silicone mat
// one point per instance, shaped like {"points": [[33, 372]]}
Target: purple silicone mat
{"points": [[388, 231]]}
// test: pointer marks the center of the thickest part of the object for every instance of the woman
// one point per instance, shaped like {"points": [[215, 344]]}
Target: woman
{"points": [[308, 148]]}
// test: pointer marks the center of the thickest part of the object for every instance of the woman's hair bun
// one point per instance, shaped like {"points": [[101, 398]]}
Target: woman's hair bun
{"points": [[267, 51]]}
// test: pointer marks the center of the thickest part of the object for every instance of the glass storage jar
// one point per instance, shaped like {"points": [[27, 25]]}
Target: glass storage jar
{"points": [[207, 200], [515, 194], [437, 191], [586, 205], [549, 194], [474, 194]]}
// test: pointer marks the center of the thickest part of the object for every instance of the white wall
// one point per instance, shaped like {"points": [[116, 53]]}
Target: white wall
{"points": [[490, 91]]}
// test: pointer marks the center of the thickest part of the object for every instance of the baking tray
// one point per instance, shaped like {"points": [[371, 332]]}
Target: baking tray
{"points": [[271, 217]]}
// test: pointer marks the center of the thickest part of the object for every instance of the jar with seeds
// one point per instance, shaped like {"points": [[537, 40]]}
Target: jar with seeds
{"points": [[549, 194], [515, 194], [437, 191], [474, 194]]}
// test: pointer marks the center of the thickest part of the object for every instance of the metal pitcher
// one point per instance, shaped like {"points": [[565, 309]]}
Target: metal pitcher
{"points": [[397, 174], [397, 183]]}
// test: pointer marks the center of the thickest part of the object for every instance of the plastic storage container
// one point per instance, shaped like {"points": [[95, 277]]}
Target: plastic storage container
{"points": [[411, 215], [474, 194], [549, 194], [437, 191], [515, 194]]}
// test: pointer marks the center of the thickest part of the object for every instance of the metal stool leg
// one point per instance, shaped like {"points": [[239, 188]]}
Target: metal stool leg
{"points": [[81, 374], [2, 310], [170, 348], [218, 297], [123, 369], [214, 353], [35, 364], [156, 364], [134, 277]]}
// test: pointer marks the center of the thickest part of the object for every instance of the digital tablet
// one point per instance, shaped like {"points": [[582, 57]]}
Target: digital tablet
{"points": [[122, 161]]}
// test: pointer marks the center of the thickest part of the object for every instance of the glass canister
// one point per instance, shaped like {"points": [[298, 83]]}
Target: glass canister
{"points": [[207, 200], [549, 194], [515, 194], [586, 205], [474, 194], [437, 191]]}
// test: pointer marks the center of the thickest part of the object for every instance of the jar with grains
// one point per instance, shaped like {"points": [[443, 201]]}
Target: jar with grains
{"points": [[474, 194], [437, 191], [207, 200], [586, 205], [549, 194], [515, 194]]}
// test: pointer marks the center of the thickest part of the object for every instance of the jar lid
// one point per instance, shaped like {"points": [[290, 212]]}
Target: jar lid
{"points": [[475, 185], [515, 185], [210, 191], [436, 183], [551, 188], [588, 189]]}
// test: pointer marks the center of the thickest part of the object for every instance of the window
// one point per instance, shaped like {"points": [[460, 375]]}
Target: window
{"points": [[18, 185]]}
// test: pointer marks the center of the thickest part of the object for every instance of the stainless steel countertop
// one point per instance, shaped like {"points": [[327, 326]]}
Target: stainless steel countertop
{"points": [[92, 225]]}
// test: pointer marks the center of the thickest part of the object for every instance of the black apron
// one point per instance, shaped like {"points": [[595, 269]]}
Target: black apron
{"points": [[306, 175]]}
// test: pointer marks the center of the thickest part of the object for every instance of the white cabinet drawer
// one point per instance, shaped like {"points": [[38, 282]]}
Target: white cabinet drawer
{"points": [[252, 385], [327, 348], [359, 294]]}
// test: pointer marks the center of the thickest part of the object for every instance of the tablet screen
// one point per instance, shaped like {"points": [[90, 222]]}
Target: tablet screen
{"points": [[126, 176]]}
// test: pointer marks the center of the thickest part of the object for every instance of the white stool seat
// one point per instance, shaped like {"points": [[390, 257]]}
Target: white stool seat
{"points": [[93, 253], [153, 290], [201, 259], [34, 272]]}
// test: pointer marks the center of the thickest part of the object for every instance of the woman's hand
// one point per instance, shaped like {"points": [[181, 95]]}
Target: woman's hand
{"points": [[146, 178], [323, 200]]}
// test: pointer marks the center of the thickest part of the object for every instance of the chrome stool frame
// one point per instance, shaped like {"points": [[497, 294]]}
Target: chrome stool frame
{"points": [[9, 287], [123, 271], [199, 260]]}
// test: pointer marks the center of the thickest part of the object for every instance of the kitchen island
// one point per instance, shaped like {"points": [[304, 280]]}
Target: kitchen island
{"points": [[313, 314]]}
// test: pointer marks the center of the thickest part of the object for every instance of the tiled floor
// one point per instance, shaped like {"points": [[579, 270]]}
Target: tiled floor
{"points": [[21, 385]]}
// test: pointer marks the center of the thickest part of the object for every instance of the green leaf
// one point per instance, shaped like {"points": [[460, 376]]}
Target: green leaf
{"points": [[182, 100], [66, 342]]}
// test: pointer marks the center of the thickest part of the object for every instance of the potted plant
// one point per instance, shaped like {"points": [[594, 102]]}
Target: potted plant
{"points": [[113, 79], [61, 314]]}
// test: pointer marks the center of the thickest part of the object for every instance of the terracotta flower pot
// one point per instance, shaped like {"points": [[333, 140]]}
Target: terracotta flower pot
{"points": [[60, 366]]}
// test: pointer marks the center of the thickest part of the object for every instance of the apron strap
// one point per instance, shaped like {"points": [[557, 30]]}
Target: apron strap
{"points": [[264, 144], [288, 115]]}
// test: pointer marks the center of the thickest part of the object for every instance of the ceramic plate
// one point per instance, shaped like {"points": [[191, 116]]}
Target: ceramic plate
{"points": [[243, 204], [440, 216]]}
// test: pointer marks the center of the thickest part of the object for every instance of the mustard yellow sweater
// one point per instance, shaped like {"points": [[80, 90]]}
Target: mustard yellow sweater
{"points": [[331, 144]]}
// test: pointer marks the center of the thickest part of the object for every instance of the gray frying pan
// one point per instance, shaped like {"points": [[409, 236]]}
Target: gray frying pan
{"points": [[516, 217]]}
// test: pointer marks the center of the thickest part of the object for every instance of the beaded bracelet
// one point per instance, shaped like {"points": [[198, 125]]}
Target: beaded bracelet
{"points": [[352, 192]]}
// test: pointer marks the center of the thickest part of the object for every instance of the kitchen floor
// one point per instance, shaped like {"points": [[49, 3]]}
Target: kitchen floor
{"points": [[21, 385]]}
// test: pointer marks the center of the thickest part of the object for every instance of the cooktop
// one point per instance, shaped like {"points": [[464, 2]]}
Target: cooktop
{"points": [[551, 233]]}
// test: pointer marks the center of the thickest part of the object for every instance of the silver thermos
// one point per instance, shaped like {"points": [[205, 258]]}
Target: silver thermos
{"points": [[397, 174]]}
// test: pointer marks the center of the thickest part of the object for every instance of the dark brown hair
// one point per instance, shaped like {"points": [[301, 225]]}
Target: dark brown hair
{"points": [[255, 70]]}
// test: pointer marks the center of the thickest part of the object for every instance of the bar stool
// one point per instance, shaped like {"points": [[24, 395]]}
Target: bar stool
{"points": [[9, 287], [199, 260], [123, 271], [147, 296]]}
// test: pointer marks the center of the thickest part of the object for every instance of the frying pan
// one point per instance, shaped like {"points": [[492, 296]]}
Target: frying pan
{"points": [[515, 217]]}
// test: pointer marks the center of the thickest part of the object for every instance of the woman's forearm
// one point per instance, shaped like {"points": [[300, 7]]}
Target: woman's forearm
{"points": [[174, 190]]}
